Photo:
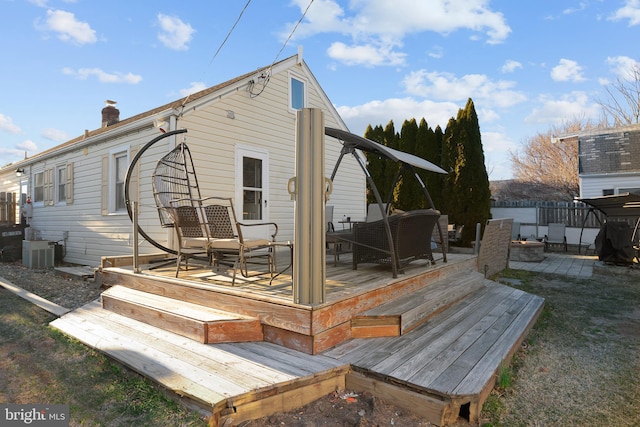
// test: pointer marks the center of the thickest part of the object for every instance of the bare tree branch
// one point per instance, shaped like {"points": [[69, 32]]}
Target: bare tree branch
{"points": [[547, 162]]}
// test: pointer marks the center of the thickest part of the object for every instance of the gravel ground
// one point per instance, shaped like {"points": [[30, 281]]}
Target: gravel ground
{"points": [[65, 291]]}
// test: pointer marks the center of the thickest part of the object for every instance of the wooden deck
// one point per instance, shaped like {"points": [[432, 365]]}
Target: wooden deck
{"points": [[431, 340]]}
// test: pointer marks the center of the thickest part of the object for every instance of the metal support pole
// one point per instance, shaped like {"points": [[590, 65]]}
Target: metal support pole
{"points": [[309, 256], [136, 264]]}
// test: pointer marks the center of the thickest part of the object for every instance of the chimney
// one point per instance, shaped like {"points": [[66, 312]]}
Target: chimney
{"points": [[110, 114]]}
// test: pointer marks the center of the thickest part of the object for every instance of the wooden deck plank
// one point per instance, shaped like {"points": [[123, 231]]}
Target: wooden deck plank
{"points": [[195, 370], [141, 361], [442, 372], [182, 308], [428, 349], [396, 351], [192, 350], [477, 375]]}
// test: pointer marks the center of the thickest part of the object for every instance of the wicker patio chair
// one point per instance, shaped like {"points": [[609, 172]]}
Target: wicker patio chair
{"points": [[411, 233], [235, 243], [192, 237]]}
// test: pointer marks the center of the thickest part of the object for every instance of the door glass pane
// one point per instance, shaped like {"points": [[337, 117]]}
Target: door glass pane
{"points": [[252, 188]]}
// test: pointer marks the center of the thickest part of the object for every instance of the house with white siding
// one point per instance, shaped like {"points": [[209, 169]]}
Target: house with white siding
{"points": [[609, 160], [75, 190]]}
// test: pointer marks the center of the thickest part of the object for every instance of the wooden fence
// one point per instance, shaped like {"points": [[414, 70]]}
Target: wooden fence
{"points": [[568, 213]]}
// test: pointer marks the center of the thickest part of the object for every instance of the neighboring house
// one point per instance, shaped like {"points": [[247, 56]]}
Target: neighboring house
{"points": [[244, 126], [609, 160]]}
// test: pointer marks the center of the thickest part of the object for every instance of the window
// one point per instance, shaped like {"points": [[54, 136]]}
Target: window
{"points": [[121, 164], [38, 187], [629, 190], [607, 192], [61, 183], [297, 90]]}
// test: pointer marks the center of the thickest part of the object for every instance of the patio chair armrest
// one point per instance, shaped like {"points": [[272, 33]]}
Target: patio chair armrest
{"points": [[262, 224]]}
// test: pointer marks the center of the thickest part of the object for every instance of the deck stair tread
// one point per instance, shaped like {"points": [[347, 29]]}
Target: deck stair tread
{"points": [[404, 313], [211, 375], [455, 353], [204, 324]]}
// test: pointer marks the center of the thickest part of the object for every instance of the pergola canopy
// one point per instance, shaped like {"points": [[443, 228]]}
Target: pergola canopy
{"points": [[351, 140], [618, 205]]}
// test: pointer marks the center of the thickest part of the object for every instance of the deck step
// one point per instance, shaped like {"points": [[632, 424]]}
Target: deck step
{"points": [[400, 315], [200, 323]]}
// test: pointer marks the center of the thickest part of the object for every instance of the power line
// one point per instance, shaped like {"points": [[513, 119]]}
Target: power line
{"points": [[230, 31], [266, 76]]}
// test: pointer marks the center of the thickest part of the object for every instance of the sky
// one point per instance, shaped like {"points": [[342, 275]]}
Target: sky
{"points": [[527, 65]]}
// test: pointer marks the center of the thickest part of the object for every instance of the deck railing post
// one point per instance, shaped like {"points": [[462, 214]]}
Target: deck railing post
{"points": [[309, 193]]}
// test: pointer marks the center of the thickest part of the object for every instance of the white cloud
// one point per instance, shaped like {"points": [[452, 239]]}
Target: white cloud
{"points": [[630, 11], [479, 87], [384, 24], [567, 70], [510, 66], [367, 55], [623, 66], [554, 111], [397, 109], [103, 76], [7, 125], [55, 134], [175, 33], [195, 87], [68, 28], [436, 52], [28, 145]]}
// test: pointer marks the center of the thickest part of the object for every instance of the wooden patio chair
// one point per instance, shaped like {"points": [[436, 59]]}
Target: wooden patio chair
{"points": [[555, 236], [237, 244]]}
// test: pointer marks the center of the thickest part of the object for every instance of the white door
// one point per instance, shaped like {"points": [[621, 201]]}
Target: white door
{"points": [[252, 191]]}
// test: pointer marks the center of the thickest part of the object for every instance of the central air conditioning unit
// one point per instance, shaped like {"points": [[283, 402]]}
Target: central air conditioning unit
{"points": [[38, 254]]}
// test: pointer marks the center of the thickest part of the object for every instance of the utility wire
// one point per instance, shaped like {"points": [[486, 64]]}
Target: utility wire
{"points": [[223, 42], [230, 31], [268, 73]]}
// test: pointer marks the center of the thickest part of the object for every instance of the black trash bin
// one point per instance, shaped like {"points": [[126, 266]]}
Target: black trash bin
{"points": [[11, 237], [613, 243]]}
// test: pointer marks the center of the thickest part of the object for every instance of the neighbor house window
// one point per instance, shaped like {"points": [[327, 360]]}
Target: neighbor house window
{"points": [[297, 90], [38, 187], [607, 192]]}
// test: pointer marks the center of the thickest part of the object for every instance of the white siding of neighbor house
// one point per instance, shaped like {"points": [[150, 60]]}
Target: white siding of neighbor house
{"points": [[593, 185], [264, 122]]}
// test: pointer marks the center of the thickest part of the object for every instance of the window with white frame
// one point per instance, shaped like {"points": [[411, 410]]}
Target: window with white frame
{"points": [[297, 93]]}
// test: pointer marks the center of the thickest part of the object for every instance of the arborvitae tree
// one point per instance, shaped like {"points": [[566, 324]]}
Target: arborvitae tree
{"points": [[429, 147], [409, 193], [450, 140], [382, 171], [471, 194]]}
